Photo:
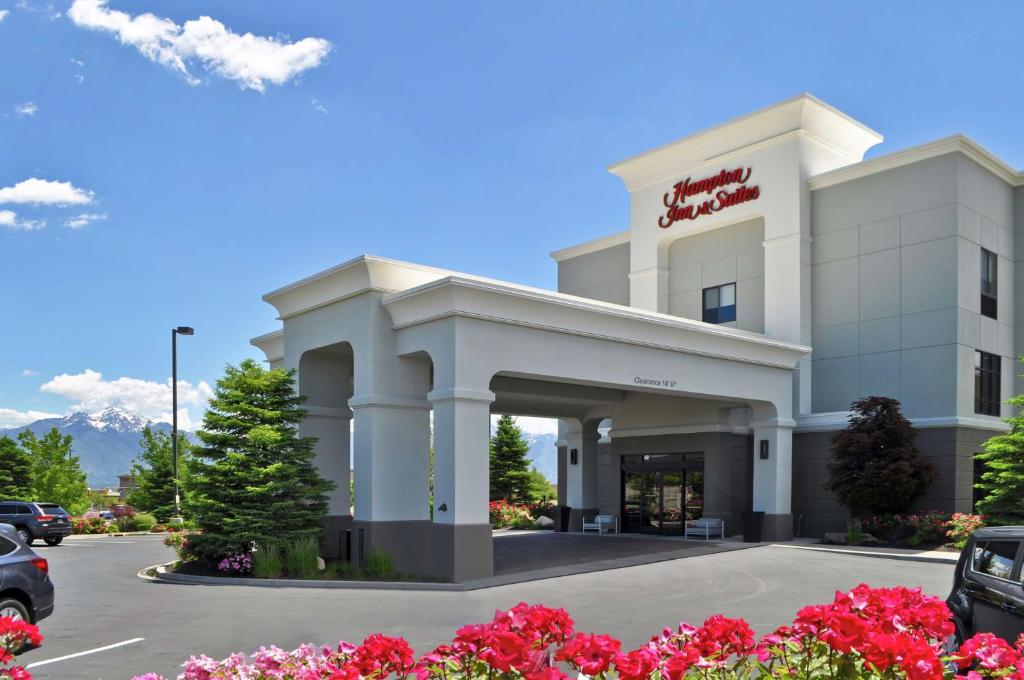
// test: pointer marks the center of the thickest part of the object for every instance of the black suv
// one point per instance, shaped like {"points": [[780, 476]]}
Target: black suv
{"points": [[47, 521], [988, 586]]}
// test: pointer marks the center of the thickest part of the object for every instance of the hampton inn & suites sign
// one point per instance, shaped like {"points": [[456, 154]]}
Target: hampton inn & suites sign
{"points": [[721, 189]]}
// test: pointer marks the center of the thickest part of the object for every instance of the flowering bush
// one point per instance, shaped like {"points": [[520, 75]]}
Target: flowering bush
{"points": [[886, 633], [88, 525], [925, 527], [505, 514], [237, 564], [960, 527], [178, 540], [13, 636]]}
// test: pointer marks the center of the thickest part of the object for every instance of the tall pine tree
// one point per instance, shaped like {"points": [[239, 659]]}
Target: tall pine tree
{"points": [[875, 467], [153, 470], [56, 475], [1001, 485], [510, 468], [253, 478], [15, 471]]}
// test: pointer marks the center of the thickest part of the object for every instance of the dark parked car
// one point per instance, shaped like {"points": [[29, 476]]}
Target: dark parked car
{"points": [[26, 591], [988, 587], [47, 521]]}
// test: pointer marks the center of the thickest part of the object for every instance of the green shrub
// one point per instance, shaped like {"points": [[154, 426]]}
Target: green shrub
{"points": [[301, 558], [346, 571], [179, 541], [378, 564], [144, 521], [266, 561]]}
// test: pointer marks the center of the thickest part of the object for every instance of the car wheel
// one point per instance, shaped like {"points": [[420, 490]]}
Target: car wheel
{"points": [[13, 609], [25, 535], [53, 540]]}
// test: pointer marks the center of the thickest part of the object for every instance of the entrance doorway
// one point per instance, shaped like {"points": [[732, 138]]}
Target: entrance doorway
{"points": [[661, 491]]}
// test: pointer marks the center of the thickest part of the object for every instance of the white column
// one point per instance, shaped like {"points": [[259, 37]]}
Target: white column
{"points": [[332, 429], [461, 460], [773, 476], [787, 303], [392, 458], [648, 289], [581, 477]]}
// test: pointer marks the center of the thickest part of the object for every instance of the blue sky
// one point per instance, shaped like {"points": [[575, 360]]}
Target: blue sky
{"points": [[471, 136]]}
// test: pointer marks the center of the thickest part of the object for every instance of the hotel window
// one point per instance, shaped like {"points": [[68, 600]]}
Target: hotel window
{"points": [[720, 303], [986, 383], [989, 271]]}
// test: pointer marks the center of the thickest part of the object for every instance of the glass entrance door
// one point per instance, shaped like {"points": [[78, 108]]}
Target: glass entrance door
{"points": [[659, 496]]}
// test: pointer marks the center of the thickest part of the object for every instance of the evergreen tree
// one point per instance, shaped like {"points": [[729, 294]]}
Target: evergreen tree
{"points": [[56, 475], [153, 470], [510, 468], [1002, 477], [875, 467], [253, 479], [15, 471]]}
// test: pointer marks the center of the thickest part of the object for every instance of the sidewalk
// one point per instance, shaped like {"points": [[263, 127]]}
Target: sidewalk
{"points": [[885, 552]]}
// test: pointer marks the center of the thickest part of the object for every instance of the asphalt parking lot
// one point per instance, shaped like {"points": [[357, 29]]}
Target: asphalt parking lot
{"points": [[126, 626]]}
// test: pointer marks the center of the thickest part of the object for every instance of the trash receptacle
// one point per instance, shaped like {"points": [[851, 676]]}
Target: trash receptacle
{"points": [[564, 513], [753, 526]]}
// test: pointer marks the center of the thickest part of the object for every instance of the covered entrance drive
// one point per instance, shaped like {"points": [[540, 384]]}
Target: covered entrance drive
{"points": [[419, 358], [661, 491]]}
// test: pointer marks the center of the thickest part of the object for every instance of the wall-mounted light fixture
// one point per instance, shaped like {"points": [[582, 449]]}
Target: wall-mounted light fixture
{"points": [[574, 457], [443, 507], [764, 449]]}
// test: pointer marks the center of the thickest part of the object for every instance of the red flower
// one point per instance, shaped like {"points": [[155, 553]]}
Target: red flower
{"points": [[678, 662], [381, 655], [637, 664], [590, 654], [988, 651]]}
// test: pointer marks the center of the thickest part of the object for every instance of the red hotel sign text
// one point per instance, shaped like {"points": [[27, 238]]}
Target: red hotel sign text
{"points": [[679, 209]]}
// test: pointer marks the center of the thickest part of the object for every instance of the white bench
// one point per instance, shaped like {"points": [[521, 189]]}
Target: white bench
{"points": [[705, 527], [602, 524]]}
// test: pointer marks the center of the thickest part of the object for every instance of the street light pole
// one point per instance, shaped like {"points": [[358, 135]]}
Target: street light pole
{"points": [[175, 332]]}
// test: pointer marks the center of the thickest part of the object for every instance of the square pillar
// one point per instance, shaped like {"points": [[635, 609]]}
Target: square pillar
{"points": [[773, 477], [392, 478], [581, 476], [332, 429], [461, 541]]}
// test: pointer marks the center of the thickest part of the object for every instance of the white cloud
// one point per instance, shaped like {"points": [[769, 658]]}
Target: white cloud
{"points": [[77, 62], [151, 400], [83, 219], [26, 109], [11, 418], [318, 107], [9, 219], [40, 191], [4, 13], [251, 60], [80, 78], [29, 372]]}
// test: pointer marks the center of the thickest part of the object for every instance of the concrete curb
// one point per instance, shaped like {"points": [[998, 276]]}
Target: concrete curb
{"points": [[165, 576], [933, 559], [116, 534]]}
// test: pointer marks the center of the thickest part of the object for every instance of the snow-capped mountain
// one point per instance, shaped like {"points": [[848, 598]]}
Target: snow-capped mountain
{"points": [[543, 454], [106, 442]]}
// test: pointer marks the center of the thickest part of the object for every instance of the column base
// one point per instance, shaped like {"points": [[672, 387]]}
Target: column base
{"points": [[461, 552], [335, 544], [777, 528], [407, 543]]}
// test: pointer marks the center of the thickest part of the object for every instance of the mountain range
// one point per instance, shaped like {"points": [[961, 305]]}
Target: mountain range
{"points": [[106, 442]]}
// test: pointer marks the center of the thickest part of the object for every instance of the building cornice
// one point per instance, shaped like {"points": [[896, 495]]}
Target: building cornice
{"points": [[271, 344], [588, 247], [497, 301], [953, 144], [621, 433], [837, 420]]}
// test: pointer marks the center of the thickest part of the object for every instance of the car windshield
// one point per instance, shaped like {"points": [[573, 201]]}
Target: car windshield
{"points": [[52, 509]]}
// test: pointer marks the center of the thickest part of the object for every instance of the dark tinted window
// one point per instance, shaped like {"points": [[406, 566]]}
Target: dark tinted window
{"points": [[24, 510], [51, 509], [995, 558], [7, 509], [989, 283], [720, 304], [6, 546], [987, 372]]}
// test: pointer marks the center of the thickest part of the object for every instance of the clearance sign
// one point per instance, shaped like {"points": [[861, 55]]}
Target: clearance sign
{"points": [[721, 189]]}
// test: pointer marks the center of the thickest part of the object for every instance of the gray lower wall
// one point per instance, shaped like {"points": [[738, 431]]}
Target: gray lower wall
{"points": [[951, 449]]}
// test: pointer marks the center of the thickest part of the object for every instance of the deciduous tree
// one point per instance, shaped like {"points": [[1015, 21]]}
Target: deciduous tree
{"points": [[875, 467], [57, 476]]}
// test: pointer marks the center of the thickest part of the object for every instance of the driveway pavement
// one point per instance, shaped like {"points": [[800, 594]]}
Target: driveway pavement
{"points": [[100, 602]]}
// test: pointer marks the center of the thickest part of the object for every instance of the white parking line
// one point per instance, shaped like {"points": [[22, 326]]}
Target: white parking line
{"points": [[88, 651]]}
